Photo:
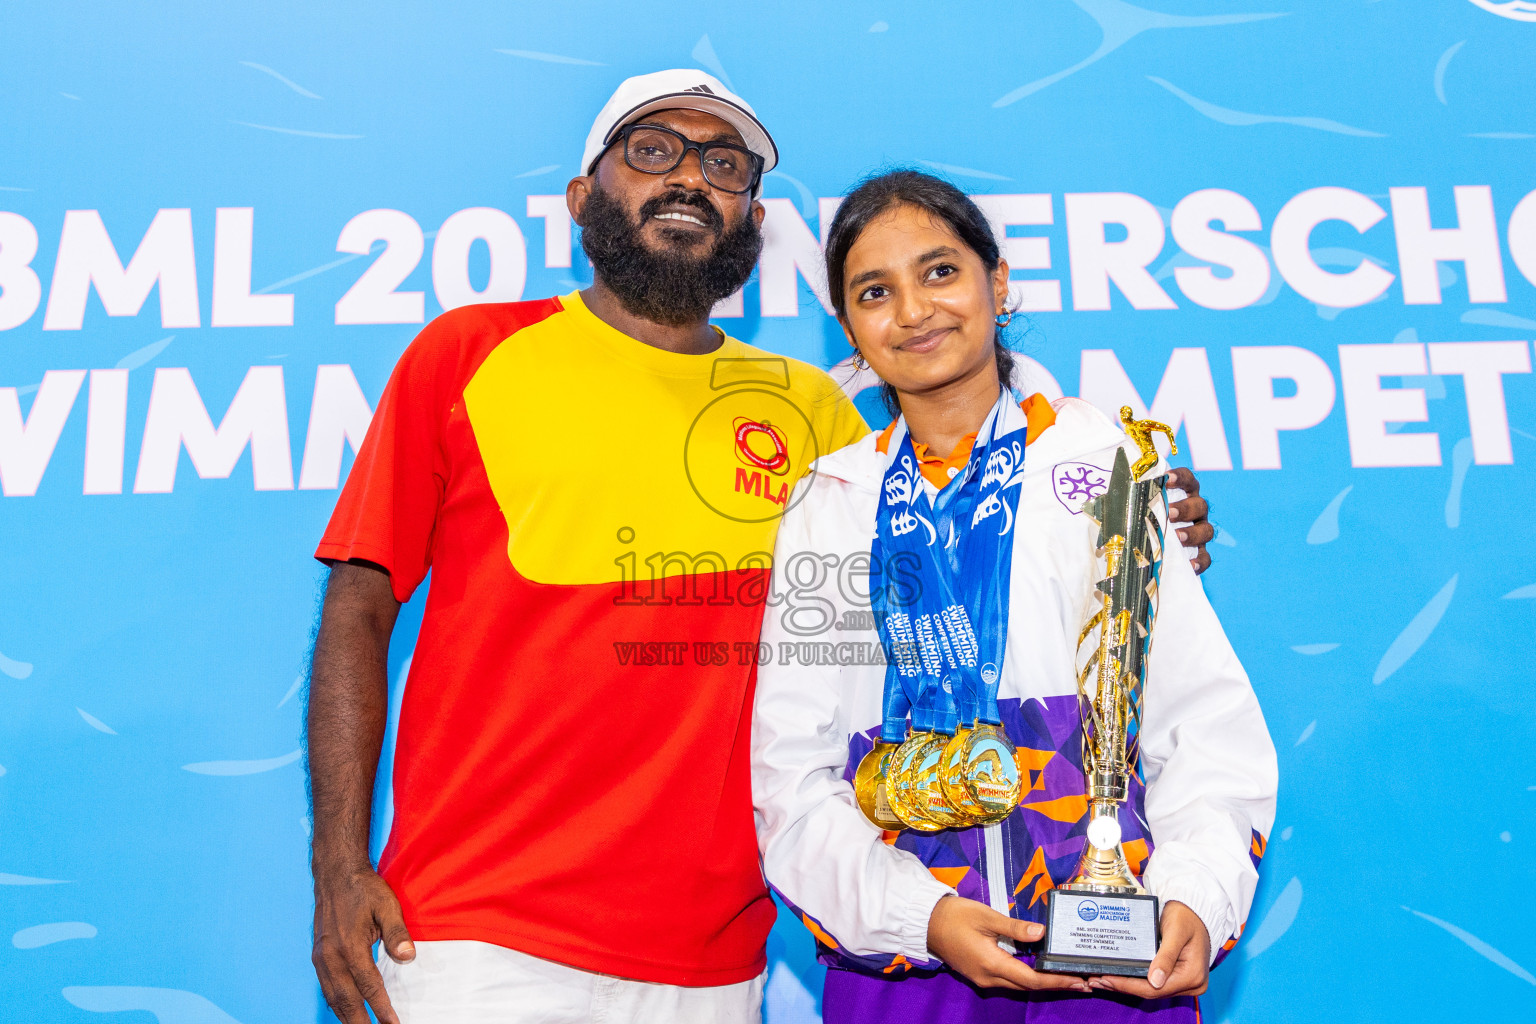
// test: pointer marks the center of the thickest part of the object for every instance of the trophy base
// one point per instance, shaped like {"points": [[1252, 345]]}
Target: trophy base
{"points": [[1099, 933], [1088, 965]]}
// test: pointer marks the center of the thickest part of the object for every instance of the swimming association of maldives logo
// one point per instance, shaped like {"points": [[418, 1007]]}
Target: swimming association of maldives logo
{"points": [[763, 448], [1076, 482], [1515, 10], [1088, 910]]}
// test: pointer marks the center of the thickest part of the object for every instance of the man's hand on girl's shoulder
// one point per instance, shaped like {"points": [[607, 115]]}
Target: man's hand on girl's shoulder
{"points": [[1190, 517]]}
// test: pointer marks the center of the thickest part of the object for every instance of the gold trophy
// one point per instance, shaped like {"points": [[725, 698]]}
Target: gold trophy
{"points": [[1104, 921]]}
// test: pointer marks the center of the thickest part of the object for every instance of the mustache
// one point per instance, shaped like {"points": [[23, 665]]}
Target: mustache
{"points": [[683, 197], [662, 285]]}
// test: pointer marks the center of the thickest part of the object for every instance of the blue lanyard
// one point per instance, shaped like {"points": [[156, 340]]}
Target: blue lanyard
{"points": [[940, 580]]}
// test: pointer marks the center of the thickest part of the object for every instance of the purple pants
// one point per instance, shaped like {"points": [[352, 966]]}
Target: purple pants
{"points": [[854, 997]]}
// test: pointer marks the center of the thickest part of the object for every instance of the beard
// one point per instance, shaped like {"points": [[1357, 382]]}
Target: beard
{"points": [[666, 286]]}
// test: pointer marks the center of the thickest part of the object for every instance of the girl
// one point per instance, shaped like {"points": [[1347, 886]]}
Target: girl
{"points": [[914, 922]]}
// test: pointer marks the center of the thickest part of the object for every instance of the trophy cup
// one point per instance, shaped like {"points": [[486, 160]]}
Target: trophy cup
{"points": [[1103, 921]]}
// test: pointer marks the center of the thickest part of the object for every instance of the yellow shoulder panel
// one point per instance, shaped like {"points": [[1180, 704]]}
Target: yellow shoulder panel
{"points": [[612, 464]]}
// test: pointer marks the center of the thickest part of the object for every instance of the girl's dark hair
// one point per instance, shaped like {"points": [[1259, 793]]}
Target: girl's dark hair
{"points": [[872, 197]]}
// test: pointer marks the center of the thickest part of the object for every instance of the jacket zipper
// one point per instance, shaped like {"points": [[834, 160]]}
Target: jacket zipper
{"points": [[994, 870]]}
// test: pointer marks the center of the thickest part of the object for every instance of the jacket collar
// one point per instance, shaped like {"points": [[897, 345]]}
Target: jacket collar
{"points": [[1080, 430]]}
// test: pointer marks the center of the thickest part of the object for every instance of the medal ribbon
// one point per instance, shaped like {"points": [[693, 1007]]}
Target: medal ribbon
{"points": [[940, 579]]}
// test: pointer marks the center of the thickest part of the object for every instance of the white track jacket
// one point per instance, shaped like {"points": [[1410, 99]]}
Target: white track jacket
{"points": [[1198, 816]]}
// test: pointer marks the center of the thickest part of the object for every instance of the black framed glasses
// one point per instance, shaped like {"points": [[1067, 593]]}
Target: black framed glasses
{"points": [[652, 149]]}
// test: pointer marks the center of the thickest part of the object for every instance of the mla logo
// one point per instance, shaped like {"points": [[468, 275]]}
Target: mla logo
{"points": [[750, 445], [762, 445], [1515, 10], [765, 448]]}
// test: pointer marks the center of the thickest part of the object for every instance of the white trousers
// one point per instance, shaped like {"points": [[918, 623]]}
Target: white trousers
{"points": [[463, 982]]}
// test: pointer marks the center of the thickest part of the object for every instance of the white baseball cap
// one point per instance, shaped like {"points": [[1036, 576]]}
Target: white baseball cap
{"points": [[680, 88]]}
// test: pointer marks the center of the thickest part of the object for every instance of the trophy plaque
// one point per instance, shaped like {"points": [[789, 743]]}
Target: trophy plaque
{"points": [[1103, 921]]}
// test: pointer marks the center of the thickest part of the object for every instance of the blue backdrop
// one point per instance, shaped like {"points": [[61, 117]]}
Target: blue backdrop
{"points": [[1354, 388]]}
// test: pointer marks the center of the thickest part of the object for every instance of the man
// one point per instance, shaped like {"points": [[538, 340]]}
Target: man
{"points": [[594, 482]]}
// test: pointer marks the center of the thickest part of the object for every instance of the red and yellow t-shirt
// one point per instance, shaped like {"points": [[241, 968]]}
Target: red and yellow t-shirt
{"points": [[571, 772]]}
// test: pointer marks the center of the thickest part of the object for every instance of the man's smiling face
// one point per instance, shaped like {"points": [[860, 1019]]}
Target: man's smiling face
{"points": [[668, 245]]}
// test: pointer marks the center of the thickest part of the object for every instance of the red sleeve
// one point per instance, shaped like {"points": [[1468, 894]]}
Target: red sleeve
{"points": [[388, 509]]}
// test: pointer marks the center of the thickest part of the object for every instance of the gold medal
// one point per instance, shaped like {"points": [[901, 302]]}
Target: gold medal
{"points": [[869, 785], [952, 779], [991, 772], [929, 786], [901, 783]]}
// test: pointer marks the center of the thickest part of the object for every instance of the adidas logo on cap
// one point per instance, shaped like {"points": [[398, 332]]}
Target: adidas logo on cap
{"points": [[700, 88]]}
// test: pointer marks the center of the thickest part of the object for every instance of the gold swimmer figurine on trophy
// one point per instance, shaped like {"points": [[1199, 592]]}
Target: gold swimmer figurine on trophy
{"points": [[1141, 432]]}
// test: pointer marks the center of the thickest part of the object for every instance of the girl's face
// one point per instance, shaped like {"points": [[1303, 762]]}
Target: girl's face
{"points": [[921, 305]]}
